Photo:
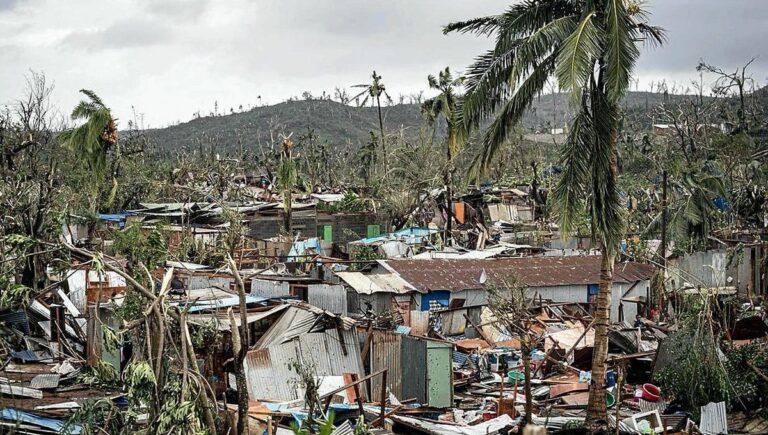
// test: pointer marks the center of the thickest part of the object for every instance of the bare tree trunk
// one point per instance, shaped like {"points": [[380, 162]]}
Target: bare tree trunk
{"points": [[240, 341], [597, 417], [383, 143], [448, 196], [527, 372]]}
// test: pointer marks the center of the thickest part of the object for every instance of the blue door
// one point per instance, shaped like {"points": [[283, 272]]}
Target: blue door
{"points": [[592, 291]]}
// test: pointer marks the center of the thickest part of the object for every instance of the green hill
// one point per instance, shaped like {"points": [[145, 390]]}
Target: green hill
{"points": [[342, 124]]}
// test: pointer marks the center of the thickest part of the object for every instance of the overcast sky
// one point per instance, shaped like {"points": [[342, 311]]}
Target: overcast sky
{"points": [[170, 58]]}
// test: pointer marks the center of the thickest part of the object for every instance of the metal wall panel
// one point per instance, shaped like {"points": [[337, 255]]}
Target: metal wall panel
{"points": [[268, 373], [270, 289], [332, 298], [414, 369], [385, 353]]}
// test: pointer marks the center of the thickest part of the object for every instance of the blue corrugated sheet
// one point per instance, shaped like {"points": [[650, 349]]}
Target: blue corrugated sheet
{"points": [[10, 414], [25, 356], [17, 320]]}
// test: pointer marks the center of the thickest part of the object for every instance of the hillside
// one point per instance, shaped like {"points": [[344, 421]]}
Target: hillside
{"points": [[342, 124]]}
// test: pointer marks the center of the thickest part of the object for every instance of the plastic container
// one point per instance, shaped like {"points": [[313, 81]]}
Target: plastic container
{"points": [[651, 393], [610, 400], [513, 376]]}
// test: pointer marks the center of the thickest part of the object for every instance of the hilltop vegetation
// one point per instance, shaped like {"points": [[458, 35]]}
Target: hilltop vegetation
{"points": [[350, 125]]}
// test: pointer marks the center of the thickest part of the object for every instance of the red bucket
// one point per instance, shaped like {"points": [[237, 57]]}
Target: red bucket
{"points": [[651, 392]]}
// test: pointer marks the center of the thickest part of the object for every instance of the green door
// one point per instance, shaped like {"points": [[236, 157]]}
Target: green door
{"points": [[373, 231], [439, 375]]}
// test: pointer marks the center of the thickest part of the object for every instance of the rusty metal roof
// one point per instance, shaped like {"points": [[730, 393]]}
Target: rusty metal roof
{"points": [[463, 274]]}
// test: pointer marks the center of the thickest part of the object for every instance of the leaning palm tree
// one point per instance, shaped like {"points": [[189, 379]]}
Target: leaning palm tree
{"points": [[591, 47], [374, 92], [445, 105], [93, 139], [91, 142]]}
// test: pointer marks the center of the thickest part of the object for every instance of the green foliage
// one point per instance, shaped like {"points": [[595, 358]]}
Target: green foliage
{"points": [[92, 140], [749, 387], [111, 338], [363, 254], [13, 296], [326, 427], [140, 380], [142, 246], [97, 417], [206, 335], [103, 374]]}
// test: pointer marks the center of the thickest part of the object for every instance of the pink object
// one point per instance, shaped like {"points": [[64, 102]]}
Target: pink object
{"points": [[651, 392]]}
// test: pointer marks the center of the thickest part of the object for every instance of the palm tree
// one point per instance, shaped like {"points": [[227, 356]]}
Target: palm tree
{"points": [[445, 105], [692, 209], [374, 91], [92, 141], [591, 47]]}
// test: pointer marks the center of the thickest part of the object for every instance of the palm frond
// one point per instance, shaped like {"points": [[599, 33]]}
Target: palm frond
{"points": [[653, 36], [568, 196], [605, 205], [478, 26], [540, 44], [621, 52], [576, 60], [509, 115], [93, 97], [486, 87]]}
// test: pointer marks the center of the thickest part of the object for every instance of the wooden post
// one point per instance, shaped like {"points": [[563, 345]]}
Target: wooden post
{"points": [[617, 396], [383, 397]]}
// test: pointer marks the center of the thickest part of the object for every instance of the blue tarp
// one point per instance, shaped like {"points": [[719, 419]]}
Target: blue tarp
{"points": [[414, 235], [10, 414], [300, 248], [114, 217]]}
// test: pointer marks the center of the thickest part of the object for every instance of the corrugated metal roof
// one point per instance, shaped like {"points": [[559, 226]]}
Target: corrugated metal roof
{"points": [[462, 274], [368, 283], [222, 317], [270, 376]]}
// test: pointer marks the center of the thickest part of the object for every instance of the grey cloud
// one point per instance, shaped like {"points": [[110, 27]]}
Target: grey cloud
{"points": [[128, 33], [6, 5], [175, 10], [233, 50]]}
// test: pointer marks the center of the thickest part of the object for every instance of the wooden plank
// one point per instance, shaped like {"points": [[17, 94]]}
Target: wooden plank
{"points": [[559, 390]]}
